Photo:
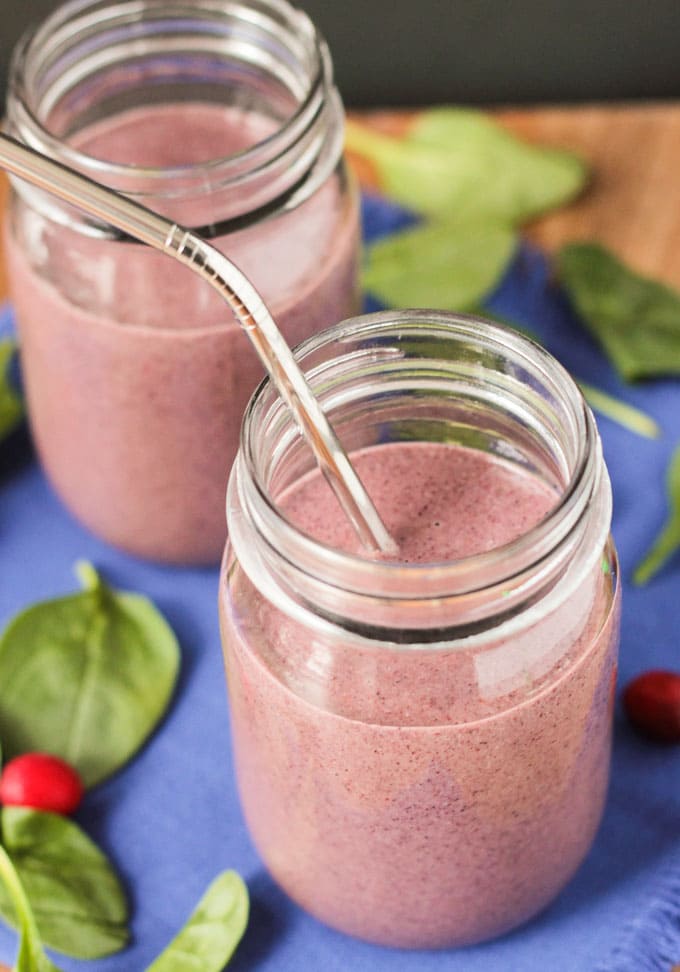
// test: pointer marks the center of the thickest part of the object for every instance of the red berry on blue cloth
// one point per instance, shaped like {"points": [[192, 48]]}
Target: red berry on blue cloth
{"points": [[652, 703], [41, 781]]}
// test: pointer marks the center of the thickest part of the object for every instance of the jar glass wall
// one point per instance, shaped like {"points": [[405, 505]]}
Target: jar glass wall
{"points": [[224, 117], [422, 746]]}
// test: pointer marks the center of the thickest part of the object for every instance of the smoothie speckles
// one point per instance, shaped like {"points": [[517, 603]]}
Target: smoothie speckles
{"points": [[439, 503], [423, 797]]}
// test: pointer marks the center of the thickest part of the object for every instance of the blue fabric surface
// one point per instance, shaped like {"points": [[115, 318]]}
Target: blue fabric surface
{"points": [[171, 819]]}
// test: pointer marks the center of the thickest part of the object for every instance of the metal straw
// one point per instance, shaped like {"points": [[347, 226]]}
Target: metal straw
{"points": [[160, 233]]}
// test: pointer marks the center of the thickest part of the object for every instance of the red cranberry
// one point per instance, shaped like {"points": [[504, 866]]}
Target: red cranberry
{"points": [[652, 703], [41, 781]]}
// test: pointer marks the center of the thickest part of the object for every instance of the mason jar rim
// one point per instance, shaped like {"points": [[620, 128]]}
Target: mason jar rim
{"points": [[532, 551], [50, 35]]}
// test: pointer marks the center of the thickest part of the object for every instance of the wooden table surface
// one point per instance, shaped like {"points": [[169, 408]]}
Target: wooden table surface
{"points": [[633, 201]]}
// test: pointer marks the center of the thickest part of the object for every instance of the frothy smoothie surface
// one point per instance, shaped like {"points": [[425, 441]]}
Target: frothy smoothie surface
{"points": [[440, 503], [423, 796]]}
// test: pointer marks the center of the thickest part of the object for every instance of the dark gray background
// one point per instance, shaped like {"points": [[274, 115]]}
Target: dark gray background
{"points": [[410, 52]]}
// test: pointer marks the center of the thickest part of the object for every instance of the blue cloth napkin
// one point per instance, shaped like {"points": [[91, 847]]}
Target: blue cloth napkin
{"points": [[171, 819]]}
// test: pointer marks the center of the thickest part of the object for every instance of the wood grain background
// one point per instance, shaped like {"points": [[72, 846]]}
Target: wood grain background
{"points": [[633, 201]]}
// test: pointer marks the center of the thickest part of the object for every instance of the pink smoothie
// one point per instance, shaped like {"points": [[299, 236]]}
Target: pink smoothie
{"points": [[136, 373], [423, 797]]}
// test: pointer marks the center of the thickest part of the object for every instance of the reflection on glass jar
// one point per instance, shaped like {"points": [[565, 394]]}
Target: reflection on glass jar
{"points": [[422, 747], [224, 117]]}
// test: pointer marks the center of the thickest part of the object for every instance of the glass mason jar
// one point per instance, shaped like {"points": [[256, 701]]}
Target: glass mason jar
{"points": [[223, 116], [422, 747]]}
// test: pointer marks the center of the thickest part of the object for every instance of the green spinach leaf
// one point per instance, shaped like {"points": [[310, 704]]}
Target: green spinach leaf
{"points": [[668, 540], [448, 265], [11, 408], [31, 957], [76, 898], [455, 160], [209, 939], [635, 319], [86, 677]]}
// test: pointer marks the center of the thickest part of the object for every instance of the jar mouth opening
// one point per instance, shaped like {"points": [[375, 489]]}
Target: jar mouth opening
{"points": [[44, 52], [379, 346]]}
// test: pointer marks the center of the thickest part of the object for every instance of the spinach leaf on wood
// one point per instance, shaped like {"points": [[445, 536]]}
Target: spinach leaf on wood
{"points": [[11, 408], [447, 265], [209, 939], [86, 677], [455, 160], [76, 898], [668, 540], [635, 319]]}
